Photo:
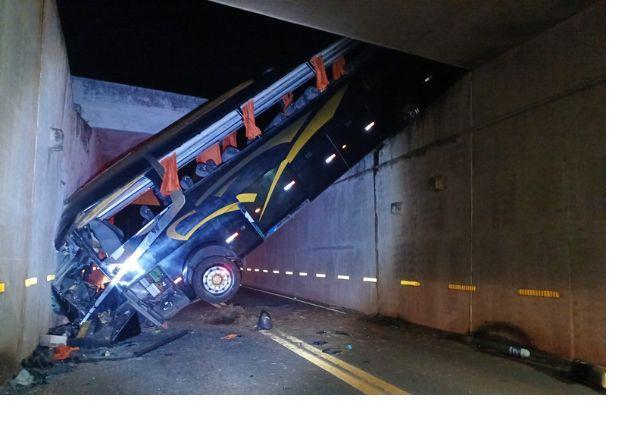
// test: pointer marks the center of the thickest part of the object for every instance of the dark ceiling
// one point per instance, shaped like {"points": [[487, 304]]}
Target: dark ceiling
{"points": [[463, 33], [193, 47]]}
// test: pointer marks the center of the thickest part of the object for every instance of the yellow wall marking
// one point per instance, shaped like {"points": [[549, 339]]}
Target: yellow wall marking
{"points": [[463, 287], [370, 280], [30, 281], [357, 378], [51, 277], [539, 293], [409, 283], [2, 287]]}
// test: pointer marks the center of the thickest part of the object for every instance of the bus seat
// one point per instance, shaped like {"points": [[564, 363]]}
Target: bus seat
{"points": [[186, 182], [310, 93], [109, 236], [146, 213], [276, 121], [202, 170], [229, 153]]}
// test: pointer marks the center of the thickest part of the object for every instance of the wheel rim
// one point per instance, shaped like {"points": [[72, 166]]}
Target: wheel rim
{"points": [[217, 280]]}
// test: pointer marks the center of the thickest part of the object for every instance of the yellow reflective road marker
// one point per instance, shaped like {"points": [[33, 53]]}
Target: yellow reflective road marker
{"points": [[30, 281], [357, 378], [462, 287], [2, 287], [410, 283], [51, 277], [539, 293]]}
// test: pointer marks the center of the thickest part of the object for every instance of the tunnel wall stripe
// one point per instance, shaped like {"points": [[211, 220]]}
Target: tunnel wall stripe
{"points": [[459, 287]]}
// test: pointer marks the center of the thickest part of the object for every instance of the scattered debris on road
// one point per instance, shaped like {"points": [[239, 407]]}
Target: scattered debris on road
{"points": [[264, 321], [331, 350], [23, 379], [63, 352]]}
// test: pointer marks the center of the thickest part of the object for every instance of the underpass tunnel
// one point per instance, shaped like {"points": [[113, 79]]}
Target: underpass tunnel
{"points": [[469, 243]]}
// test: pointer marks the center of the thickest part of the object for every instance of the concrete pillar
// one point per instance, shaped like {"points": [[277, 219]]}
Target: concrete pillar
{"points": [[35, 167]]}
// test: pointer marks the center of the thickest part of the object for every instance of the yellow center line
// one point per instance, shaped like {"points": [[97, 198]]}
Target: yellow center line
{"points": [[357, 378]]}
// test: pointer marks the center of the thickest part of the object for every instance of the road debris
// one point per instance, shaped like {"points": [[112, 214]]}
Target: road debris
{"points": [[23, 379], [319, 342], [63, 352], [331, 350], [52, 340], [264, 321], [230, 336], [519, 352]]}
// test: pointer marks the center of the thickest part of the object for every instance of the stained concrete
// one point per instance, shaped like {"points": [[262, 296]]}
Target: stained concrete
{"points": [[519, 143], [411, 358], [460, 33], [539, 187]]}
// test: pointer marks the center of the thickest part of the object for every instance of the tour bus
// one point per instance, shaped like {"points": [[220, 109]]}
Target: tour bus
{"points": [[189, 245]]}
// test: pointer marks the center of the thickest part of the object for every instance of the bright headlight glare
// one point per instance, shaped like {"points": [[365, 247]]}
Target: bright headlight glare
{"points": [[131, 265]]}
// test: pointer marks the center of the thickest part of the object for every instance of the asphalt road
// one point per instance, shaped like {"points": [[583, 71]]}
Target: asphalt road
{"points": [[310, 350]]}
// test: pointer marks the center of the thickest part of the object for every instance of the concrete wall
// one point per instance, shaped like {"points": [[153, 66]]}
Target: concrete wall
{"points": [[122, 116], [520, 145], [36, 96], [128, 108]]}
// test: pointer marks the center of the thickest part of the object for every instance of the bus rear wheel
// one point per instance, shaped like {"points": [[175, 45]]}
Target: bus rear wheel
{"points": [[215, 280]]}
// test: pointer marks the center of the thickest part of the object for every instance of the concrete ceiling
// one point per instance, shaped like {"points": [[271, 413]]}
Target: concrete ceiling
{"points": [[463, 33]]}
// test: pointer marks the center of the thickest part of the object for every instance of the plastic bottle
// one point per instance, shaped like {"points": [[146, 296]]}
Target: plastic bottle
{"points": [[519, 352]]}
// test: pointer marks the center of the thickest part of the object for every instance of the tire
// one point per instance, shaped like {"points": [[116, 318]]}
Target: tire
{"points": [[215, 279]]}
